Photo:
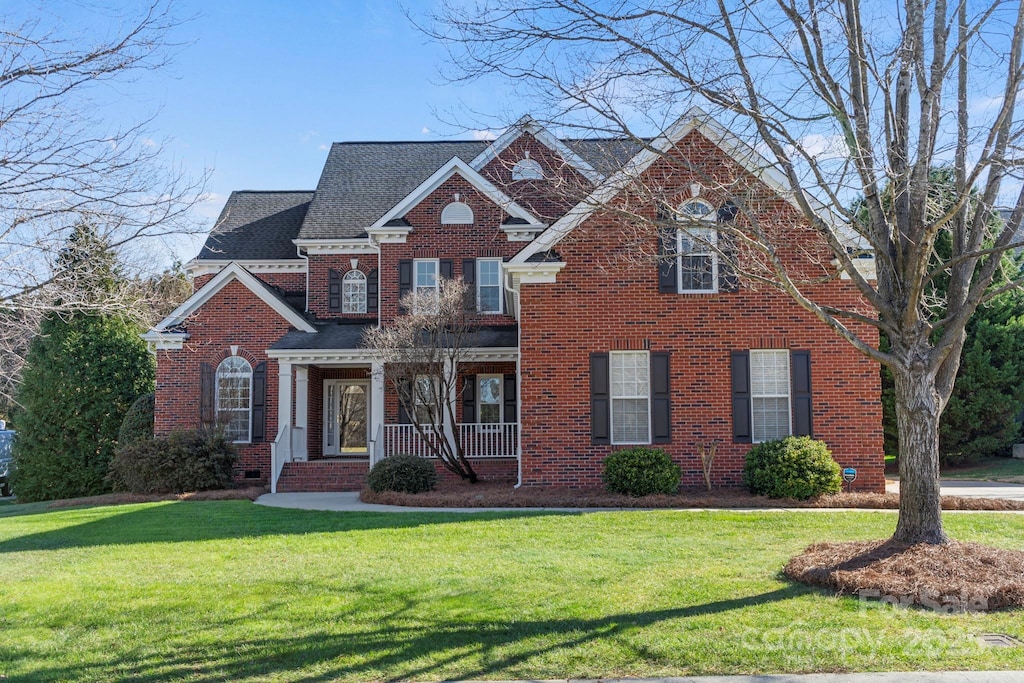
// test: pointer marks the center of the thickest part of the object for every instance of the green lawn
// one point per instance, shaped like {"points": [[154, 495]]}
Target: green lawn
{"points": [[229, 590], [991, 469]]}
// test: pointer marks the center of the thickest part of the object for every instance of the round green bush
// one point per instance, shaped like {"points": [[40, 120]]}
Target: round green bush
{"points": [[794, 467], [402, 473], [641, 472], [191, 460], [138, 421]]}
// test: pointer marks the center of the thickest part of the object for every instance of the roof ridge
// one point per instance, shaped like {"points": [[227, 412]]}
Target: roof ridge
{"points": [[273, 191]]}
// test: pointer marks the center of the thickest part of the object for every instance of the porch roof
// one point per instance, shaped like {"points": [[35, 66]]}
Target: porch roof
{"points": [[350, 336]]}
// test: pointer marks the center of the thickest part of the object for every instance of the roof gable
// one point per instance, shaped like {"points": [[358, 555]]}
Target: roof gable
{"points": [[230, 274], [695, 119], [456, 166], [527, 125]]}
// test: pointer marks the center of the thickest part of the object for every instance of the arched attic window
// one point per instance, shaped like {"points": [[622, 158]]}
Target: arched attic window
{"points": [[527, 169], [457, 213], [353, 297], [697, 260]]}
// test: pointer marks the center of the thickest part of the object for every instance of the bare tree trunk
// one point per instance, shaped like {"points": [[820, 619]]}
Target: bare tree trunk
{"points": [[918, 407]]}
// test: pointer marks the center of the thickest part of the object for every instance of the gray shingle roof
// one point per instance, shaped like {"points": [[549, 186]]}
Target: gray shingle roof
{"points": [[257, 225], [350, 336], [361, 181]]}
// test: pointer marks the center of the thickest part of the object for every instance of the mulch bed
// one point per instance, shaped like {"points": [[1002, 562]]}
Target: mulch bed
{"points": [[484, 494], [249, 493], [955, 577]]}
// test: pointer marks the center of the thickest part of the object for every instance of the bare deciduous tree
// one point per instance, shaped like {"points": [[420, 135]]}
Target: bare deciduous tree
{"points": [[421, 351], [62, 164], [843, 99]]}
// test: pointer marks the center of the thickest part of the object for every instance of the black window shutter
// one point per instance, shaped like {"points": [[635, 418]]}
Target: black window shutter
{"points": [[661, 408], [509, 391], [404, 279], [800, 368], [668, 265], [404, 390], [207, 395], [469, 277], [444, 268], [741, 427], [469, 399], [259, 402], [372, 291], [600, 400], [333, 291], [728, 280]]}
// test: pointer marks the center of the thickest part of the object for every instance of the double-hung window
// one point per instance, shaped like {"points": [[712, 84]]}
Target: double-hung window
{"points": [[425, 285], [696, 257], [769, 394], [234, 398], [630, 397], [489, 398], [488, 285]]}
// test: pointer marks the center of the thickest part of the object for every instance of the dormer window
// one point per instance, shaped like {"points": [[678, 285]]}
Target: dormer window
{"points": [[457, 213], [527, 169]]}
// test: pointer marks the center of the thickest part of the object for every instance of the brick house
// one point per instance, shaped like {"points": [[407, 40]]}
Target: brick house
{"points": [[577, 353]]}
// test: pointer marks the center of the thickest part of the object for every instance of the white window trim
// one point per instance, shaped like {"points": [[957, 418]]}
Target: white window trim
{"points": [[437, 279], [612, 397], [788, 396], [216, 397], [501, 306], [527, 169], [334, 386], [345, 282], [501, 401], [709, 235]]}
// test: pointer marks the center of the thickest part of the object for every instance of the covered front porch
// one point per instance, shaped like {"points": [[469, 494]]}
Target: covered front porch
{"points": [[337, 417]]}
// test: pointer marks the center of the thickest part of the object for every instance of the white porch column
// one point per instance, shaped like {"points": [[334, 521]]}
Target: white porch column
{"points": [[301, 412], [376, 411], [449, 373], [284, 409]]}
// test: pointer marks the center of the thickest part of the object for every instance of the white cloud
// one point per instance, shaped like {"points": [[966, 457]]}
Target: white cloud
{"points": [[425, 130], [148, 142], [484, 134], [209, 205], [823, 147], [324, 146], [307, 136]]}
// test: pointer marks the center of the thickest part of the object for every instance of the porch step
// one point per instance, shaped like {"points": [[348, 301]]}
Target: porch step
{"points": [[326, 476]]}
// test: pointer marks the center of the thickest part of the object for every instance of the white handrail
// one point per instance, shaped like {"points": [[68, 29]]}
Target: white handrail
{"points": [[479, 440], [276, 462]]}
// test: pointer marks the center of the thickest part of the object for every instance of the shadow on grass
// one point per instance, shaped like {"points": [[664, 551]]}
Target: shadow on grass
{"points": [[477, 649], [211, 520]]}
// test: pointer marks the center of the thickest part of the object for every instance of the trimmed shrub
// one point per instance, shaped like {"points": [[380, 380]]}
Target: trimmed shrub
{"points": [[641, 472], [403, 473], [794, 467], [193, 460], [138, 421]]}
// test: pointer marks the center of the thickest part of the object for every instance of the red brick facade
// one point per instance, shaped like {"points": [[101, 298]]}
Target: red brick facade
{"points": [[598, 304]]}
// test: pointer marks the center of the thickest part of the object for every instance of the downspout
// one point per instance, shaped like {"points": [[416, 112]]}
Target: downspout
{"points": [[519, 380]]}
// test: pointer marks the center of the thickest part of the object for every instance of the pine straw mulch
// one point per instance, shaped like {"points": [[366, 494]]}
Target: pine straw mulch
{"points": [[955, 577], [248, 493], [485, 494]]}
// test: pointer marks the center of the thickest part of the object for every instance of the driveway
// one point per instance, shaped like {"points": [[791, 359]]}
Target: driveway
{"points": [[972, 489]]}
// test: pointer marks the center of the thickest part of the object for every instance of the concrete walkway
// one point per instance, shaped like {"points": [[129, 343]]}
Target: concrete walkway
{"points": [[349, 502], [902, 677], [972, 489]]}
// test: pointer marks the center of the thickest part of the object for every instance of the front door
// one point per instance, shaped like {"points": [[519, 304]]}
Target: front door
{"points": [[346, 417]]}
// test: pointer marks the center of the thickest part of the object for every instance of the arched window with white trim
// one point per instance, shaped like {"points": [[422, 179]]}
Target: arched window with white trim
{"points": [[527, 169], [234, 399], [697, 256], [457, 213], [353, 289]]}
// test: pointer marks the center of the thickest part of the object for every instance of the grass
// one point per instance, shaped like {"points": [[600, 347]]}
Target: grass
{"points": [[990, 469], [221, 590]]}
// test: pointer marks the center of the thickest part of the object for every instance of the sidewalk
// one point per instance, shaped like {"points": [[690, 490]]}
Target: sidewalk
{"points": [[971, 489]]}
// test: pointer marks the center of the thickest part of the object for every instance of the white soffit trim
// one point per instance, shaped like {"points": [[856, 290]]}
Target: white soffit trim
{"points": [[455, 166], [336, 246], [197, 267], [366, 356], [165, 341], [233, 271], [528, 125], [535, 273], [694, 119]]}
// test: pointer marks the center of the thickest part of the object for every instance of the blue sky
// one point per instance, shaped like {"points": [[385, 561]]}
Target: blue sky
{"points": [[259, 89]]}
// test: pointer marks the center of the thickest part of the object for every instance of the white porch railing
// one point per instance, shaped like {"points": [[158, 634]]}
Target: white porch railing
{"points": [[277, 459], [478, 440]]}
